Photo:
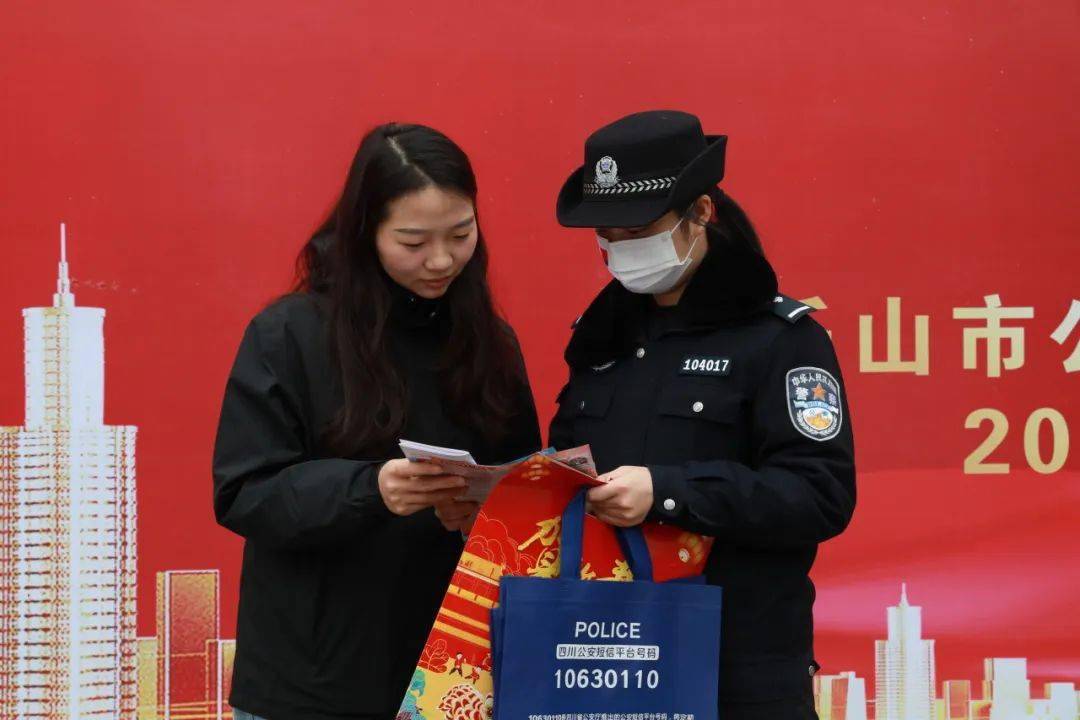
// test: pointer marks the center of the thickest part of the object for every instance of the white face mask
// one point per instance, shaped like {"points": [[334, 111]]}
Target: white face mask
{"points": [[648, 265]]}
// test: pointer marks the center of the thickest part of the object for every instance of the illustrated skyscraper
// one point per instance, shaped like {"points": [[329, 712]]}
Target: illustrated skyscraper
{"points": [[1007, 686], [188, 621], [904, 667], [840, 697], [67, 528], [956, 697]]}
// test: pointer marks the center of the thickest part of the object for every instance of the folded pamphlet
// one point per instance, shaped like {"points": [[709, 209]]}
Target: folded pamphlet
{"points": [[482, 479]]}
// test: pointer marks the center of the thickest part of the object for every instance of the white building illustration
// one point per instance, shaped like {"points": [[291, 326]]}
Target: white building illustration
{"points": [[905, 684], [840, 697], [1008, 688], [67, 528], [904, 666], [1062, 701]]}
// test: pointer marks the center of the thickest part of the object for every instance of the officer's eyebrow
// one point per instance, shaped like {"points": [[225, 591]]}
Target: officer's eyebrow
{"points": [[630, 230], [424, 231]]}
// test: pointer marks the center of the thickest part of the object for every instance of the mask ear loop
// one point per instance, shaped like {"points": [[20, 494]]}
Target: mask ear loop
{"points": [[603, 246], [718, 232], [688, 216]]}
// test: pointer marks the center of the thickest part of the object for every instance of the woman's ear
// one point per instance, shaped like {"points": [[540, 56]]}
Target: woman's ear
{"points": [[703, 210]]}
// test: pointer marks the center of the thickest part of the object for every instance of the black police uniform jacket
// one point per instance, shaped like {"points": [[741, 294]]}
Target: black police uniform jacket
{"points": [[337, 594], [734, 401]]}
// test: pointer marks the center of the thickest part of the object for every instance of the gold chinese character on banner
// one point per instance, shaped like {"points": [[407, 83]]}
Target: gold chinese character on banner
{"points": [[1072, 319], [818, 303], [893, 362], [621, 571], [546, 534], [993, 335], [547, 565]]}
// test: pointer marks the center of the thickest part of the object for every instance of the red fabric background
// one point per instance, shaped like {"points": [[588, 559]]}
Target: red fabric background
{"points": [[926, 151]]}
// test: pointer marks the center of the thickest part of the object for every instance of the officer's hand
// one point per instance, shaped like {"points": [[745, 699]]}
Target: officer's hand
{"points": [[410, 486], [625, 498], [457, 514]]}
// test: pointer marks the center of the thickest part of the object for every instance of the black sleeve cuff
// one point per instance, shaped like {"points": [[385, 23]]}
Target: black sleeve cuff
{"points": [[366, 494], [669, 493]]}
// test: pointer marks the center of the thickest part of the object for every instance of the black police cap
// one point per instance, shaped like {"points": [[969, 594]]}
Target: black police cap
{"points": [[639, 167]]}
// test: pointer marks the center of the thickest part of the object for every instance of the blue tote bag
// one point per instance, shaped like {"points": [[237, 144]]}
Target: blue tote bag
{"points": [[566, 646]]}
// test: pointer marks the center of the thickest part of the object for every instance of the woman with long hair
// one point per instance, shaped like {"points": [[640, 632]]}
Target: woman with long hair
{"points": [[389, 333]]}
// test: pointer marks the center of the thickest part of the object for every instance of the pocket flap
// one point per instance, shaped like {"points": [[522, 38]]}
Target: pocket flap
{"points": [[590, 400], [700, 401]]}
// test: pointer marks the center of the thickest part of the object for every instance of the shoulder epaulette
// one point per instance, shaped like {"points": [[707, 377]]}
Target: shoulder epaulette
{"points": [[790, 309]]}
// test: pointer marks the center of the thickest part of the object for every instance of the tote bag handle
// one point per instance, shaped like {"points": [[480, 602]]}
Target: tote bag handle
{"points": [[631, 540]]}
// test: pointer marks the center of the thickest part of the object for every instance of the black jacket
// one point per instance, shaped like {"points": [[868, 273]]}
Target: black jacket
{"points": [[734, 401], [337, 594]]}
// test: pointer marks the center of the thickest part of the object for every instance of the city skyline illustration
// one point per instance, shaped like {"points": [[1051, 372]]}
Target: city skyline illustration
{"points": [[905, 683], [68, 551]]}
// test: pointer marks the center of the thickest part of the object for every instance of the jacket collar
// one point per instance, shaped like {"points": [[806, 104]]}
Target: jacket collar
{"points": [[732, 283], [412, 311]]}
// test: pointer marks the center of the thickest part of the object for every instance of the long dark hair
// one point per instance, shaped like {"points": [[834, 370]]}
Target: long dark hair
{"points": [[479, 370]]}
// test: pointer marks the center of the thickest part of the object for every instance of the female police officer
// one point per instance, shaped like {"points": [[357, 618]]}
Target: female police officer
{"points": [[710, 401]]}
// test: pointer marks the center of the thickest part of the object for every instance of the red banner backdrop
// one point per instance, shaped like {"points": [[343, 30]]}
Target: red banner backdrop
{"points": [[912, 167]]}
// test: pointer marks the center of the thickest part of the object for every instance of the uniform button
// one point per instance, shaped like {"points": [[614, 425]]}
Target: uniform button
{"points": [[669, 504], [698, 406], [640, 353], [581, 405]]}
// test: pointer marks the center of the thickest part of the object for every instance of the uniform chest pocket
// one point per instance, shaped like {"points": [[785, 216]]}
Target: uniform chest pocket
{"points": [[697, 420], [699, 401], [589, 401]]}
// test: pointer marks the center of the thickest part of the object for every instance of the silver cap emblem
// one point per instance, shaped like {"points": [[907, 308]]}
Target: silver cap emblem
{"points": [[607, 172]]}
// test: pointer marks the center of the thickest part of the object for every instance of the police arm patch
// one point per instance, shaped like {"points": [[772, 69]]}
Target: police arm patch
{"points": [[813, 400]]}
